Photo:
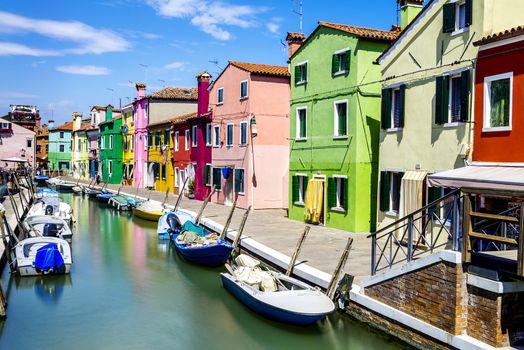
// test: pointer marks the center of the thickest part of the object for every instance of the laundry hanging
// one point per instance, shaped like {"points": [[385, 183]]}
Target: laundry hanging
{"points": [[314, 203], [226, 172]]}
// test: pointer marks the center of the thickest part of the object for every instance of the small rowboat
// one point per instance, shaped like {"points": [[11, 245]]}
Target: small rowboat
{"points": [[91, 192], [120, 203], [65, 186], [78, 190], [149, 210], [171, 223], [276, 296]]}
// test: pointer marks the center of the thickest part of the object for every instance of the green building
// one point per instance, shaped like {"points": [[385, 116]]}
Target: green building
{"points": [[111, 151], [59, 154], [335, 125]]}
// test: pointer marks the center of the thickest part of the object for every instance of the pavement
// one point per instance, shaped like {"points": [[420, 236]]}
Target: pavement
{"points": [[322, 248]]}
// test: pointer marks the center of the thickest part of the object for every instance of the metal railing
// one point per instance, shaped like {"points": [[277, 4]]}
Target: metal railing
{"points": [[422, 232]]}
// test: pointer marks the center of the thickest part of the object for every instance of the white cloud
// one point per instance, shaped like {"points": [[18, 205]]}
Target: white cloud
{"points": [[90, 40], [12, 49], [84, 70], [274, 25], [175, 65], [209, 16]]}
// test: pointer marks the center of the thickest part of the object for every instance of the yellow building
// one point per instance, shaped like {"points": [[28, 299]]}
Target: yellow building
{"points": [[159, 160], [128, 129]]}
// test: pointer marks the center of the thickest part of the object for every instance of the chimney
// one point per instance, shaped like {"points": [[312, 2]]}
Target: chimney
{"points": [[51, 124], [109, 113], [294, 42], [77, 121], [409, 9], [141, 90], [203, 79]]}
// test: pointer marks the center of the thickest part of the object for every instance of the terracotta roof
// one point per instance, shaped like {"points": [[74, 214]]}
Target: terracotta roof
{"points": [[368, 33], [86, 125], [509, 33], [179, 119], [261, 69], [172, 93], [294, 36], [103, 108], [64, 127]]}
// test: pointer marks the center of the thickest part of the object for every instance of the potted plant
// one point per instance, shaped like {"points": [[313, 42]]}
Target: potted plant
{"points": [[191, 189]]}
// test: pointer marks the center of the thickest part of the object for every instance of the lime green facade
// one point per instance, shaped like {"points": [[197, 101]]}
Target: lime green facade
{"points": [[327, 152], [111, 152]]}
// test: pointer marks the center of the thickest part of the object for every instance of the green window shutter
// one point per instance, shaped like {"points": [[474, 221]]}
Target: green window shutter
{"points": [[217, 178], [464, 95], [384, 190], [449, 18], [298, 77], [237, 180], [335, 63], [206, 174], [332, 192], [434, 193], [294, 189], [345, 194], [402, 105], [386, 109], [442, 100], [347, 57], [304, 78], [469, 13]]}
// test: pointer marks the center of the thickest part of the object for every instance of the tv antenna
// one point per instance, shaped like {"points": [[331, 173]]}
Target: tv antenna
{"points": [[300, 12], [215, 62]]}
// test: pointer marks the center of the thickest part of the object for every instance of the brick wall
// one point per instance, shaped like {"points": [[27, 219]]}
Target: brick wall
{"points": [[436, 294]]}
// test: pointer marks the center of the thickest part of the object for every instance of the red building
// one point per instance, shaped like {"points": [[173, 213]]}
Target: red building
{"points": [[499, 102], [181, 149]]}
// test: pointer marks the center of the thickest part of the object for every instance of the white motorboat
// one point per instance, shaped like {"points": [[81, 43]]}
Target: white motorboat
{"points": [[53, 181], [43, 256], [52, 206], [47, 226], [275, 295]]}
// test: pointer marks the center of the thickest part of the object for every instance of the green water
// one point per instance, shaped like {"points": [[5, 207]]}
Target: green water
{"points": [[127, 290]]}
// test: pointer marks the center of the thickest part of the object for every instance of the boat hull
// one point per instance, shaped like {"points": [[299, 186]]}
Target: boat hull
{"points": [[148, 215], [104, 198], [267, 310], [29, 270], [212, 256]]}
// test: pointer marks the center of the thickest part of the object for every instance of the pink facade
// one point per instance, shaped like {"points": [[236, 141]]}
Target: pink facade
{"points": [[16, 141], [140, 135], [262, 157]]}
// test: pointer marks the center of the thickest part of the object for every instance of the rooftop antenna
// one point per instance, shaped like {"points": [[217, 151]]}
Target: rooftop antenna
{"points": [[300, 11], [145, 69], [163, 82], [215, 62]]}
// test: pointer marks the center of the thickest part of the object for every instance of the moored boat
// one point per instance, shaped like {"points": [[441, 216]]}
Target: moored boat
{"points": [[52, 206], [47, 226], [79, 190], [149, 210], [65, 186], [104, 196], [42, 256], [41, 179], [172, 222], [53, 181], [275, 295], [45, 192]]}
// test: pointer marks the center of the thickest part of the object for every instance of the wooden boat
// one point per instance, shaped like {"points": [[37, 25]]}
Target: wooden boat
{"points": [[92, 193], [149, 210], [170, 223], [43, 256], [52, 206], [47, 226], [275, 295]]}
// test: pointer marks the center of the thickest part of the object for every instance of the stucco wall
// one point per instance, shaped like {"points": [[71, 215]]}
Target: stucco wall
{"points": [[13, 143], [160, 110]]}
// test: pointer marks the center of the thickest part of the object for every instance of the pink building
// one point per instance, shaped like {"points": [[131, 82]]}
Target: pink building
{"points": [[16, 141], [249, 136], [140, 135]]}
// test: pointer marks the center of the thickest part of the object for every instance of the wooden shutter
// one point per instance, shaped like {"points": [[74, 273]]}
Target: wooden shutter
{"points": [[442, 100], [469, 13], [332, 192], [295, 187], [449, 18], [464, 95], [386, 109], [298, 77], [335, 63], [384, 190], [402, 106]]}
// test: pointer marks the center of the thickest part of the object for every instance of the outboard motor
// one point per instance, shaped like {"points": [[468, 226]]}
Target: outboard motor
{"points": [[174, 223], [51, 230], [49, 210]]}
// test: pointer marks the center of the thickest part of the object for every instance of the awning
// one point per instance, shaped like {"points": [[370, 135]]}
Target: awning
{"points": [[481, 177], [14, 160]]}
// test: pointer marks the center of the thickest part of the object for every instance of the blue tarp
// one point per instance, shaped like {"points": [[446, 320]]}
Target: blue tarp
{"points": [[49, 257], [189, 226], [226, 172]]}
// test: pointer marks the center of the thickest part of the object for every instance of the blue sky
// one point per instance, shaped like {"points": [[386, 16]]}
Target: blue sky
{"points": [[65, 56]]}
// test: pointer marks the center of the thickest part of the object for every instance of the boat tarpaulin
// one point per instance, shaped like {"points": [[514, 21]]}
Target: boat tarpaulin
{"points": [[48, 257], [504, 178], [190, 226]]}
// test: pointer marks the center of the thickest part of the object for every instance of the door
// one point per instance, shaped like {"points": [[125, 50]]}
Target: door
{"points": [[227, 173]]}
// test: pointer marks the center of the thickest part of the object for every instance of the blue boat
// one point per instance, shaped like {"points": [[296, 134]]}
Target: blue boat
{"points": [[104, 196], [46, 192], [171, 222], [65, 187], [41, 179]]}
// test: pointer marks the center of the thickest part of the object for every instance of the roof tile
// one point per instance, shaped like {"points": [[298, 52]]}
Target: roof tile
{"points": [[172, 93], [509, 33], [261, 69], [368, 33]]}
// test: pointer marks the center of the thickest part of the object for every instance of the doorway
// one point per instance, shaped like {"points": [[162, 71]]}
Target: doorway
{"points": [[227, 173]]}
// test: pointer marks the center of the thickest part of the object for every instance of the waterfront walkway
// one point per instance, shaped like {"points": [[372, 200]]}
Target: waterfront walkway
{"points": [[323, 246]]}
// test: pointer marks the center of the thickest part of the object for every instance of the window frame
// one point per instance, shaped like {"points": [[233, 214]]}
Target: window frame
{"points": [[339, 208], [230, 144], [186, 140], [217, 189], [61, 135], [219, 101], [61, 148], [301, 189], [177, 176], [209, 134], [210, 183], [297, 122], [339, 53], [216, 136], [302, 64], [110, 167], [394, 90], [247, 89], [244, 122], [110, 141], [194, 136], [336, 119], [392, 175], [459, 30], [243, 192], [450, 121], [177, 145], [486, 127]]}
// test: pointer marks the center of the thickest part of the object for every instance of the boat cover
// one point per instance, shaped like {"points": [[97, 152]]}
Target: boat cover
{"points": [[48, 257], [190, 226]]}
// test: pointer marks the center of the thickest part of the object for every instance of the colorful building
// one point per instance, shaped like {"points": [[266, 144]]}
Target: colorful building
{"points": [[248, 136], [60, 142], [335, 118], [24, 115], [80, 157], [110, 142], [160, 165], [427, 118], [181, 149], [42, 146], [128, 130], [97, 115], [16, 141]]}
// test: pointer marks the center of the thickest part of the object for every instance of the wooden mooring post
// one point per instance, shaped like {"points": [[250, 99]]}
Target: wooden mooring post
{"points": [[204, 205], [241, 228], [180, 195], [228, 221], [301, 241], [165, 198], [341, 263]]}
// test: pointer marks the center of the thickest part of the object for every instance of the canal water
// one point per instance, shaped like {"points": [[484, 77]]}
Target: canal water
{"points": [[127, 290]]}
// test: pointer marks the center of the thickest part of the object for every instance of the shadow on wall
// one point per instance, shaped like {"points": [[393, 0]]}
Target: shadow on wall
{"points": [[374, 130]]}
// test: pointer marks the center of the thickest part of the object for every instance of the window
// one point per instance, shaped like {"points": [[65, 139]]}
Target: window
{"points": [[110, 141], [390, 191], [452, 98], [301, 73], [498, 102], [167, 137], [440, 210], [132, 142], [29, 143], [457, 16], [47, 148], [150, 139], [243, 89], [182, 178], [229, 138], [239, 180], [220, 96], [61, 134], [338, 193], [110, 167], [176, 140], [209, 135], [298, 188], [163, 171], [158, 138], [340, 62], [38, 148], [243, 133], [102, 143], [177, 175], [341, 118], [217, 178], [216, 129], [194, 135], [207, 175], [301, 132], [393, 106], [187, 140], [62, 148]]}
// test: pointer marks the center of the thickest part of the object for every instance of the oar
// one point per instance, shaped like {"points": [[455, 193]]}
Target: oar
{"points": [[241, 228], [179, 199], [228, 221], [199, 216]]}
